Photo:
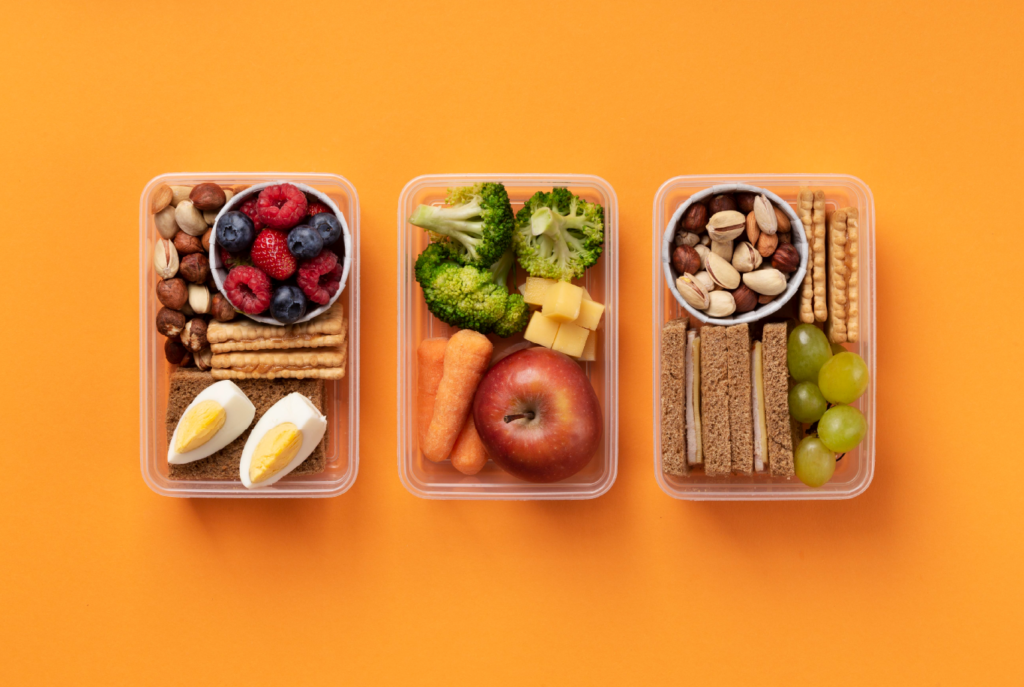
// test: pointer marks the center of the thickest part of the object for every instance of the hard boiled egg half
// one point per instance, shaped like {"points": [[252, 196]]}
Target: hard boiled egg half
{"points": [[281, 440], [212, 420]]}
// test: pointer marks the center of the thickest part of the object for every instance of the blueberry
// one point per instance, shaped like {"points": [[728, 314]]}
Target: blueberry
{"points": [[328, 225], [305, 242], [235, 232], [288, 304]]}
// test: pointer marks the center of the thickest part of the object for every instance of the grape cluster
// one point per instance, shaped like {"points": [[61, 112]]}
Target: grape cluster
{"points": [[828, 378]]}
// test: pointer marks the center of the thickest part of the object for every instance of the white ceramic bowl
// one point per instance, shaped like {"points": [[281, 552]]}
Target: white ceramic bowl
{"points": [[220, 273], [761, 311]]}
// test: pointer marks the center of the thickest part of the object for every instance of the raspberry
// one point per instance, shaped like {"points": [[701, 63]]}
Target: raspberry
{"points": [[320, 277], [250, 209], [270, 253], [281, 206], [248, 290], [316, 208]]}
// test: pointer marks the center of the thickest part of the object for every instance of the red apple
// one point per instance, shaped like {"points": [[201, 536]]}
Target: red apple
{"points": [[538, 416]]}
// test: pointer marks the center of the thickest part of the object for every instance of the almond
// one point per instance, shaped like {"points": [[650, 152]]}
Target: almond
{"points": [[161, 198]]}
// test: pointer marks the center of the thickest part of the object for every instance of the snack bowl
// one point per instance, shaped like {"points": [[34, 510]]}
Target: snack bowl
{"points": [[795, 278], [429, 480], [220, 272], [341, 397], [855, 471]]}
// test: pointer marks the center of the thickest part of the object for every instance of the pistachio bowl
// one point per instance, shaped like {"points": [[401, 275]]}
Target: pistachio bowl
{"points": [[794, 281]]}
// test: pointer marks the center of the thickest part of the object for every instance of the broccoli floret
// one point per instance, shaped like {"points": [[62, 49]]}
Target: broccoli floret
{"points": [[476, 227], [429, 260], [516, 317], [558, 235], [501, 268]]}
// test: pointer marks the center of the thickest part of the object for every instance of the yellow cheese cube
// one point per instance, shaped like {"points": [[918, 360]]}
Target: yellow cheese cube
{"points": [[586, 294], [590, 350], [535, 289], [562, 302], [571, 339], [541, 330], [590, 315]]}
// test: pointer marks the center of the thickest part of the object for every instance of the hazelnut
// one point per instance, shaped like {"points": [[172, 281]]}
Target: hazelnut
{"points": [[765, 300], [785, 238], [221, 308], [186, 245], [174, 351], [195, 268], [206, 240], [745, 202], [208, 196], [695, 218], [721, 203], [766, 244], [686, 260], [204, 358], [785, 226], [187, 360], [193, 336], [172, 293], [746, 299], [170, 322], [786, 258]]}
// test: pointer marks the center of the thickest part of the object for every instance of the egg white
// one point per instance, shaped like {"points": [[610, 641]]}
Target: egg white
{"points": [[238, 410], [301, 412]]}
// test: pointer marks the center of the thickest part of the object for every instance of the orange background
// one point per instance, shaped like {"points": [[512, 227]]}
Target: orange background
{"points": [[918, 581]]}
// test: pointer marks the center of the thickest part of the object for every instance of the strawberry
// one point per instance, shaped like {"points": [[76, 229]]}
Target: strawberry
{"points": [[270, 253], [316, 208]]}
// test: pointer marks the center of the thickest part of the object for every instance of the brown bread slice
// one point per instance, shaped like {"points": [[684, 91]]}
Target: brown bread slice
{"points": [[741, 421], [223, 465], [776, 400], [673, 397], [714, 399]]}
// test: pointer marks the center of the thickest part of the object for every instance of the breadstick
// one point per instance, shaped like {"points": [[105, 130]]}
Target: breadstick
{"points": [[430, 354], [836, 326], [468, 454], [465, 361], [820, 307], [852, 279], [804, 207]]}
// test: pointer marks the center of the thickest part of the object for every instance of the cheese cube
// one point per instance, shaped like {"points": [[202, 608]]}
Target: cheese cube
{"points": [[590, 350], [541, 330], [562, 302], [586, 294], [590, 315], [535, 289], [571, 340]]}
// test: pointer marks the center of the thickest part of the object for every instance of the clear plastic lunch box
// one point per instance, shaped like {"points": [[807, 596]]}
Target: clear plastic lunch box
{"points": [[342, 449], [415, 323], [854, 472]]}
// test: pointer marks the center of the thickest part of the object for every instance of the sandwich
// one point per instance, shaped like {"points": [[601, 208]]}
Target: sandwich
{"points": [[741, 420], [780, 427], [673, 397], [714, 396]]}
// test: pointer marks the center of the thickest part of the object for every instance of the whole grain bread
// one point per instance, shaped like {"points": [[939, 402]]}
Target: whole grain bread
{"points": [[741, 421], [223, 465], [776, 400], [673, 397], [714, 399]]}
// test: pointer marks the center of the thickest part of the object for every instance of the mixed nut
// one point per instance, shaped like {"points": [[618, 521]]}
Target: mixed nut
{"points": [[733, 252], [182, 216]]}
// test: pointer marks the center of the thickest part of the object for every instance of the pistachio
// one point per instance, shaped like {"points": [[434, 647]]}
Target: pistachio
{"points": [[764, 213], [179, 193], [228, 194], [722, 273], [705, 279], [166, 226], [686, 238], [726, 225], [199, 298], [693, 292], [209, 216], [165, 258], [722, 304], [767, 282], [745, 257], [204, 358], [702, 251], [189, 219], [705, 240], [723, 249]]}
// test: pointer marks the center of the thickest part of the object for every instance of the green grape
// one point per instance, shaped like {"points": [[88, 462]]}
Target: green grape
{"points": [[837, 348], [806, 351], [843, 378], [841, 428], [806, 404], [813, 462]]}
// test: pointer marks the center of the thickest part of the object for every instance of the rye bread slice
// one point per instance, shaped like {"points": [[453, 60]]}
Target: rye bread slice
{"points": [[714, 399], [741, 421], [223, 465], [776, 400], [673, 397]]}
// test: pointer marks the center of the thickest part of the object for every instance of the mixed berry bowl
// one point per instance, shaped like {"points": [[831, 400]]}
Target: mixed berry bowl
{"points": [[280, 252]]}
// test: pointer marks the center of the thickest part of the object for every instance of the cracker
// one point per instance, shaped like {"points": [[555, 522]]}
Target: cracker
{"points": [[250, 335], [804, 208], [837, 277], [313, 373], [279, 344], [275, 361], [818, 219], [853, 275]]}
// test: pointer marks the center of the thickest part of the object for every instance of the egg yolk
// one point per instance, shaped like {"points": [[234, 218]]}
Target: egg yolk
{"points": [[276, 449], [199, 425]]}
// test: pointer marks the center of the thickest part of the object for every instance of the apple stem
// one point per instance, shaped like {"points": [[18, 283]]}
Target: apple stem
{"points": [[528, 415]]}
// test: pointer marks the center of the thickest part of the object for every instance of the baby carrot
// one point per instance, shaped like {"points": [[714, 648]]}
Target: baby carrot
{"points": [[431, 365], [468, 454], [465, 360]]}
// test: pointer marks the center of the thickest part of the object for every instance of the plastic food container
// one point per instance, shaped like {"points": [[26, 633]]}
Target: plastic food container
{"points": [[854, 472], [415, 323], [342, 409]]}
